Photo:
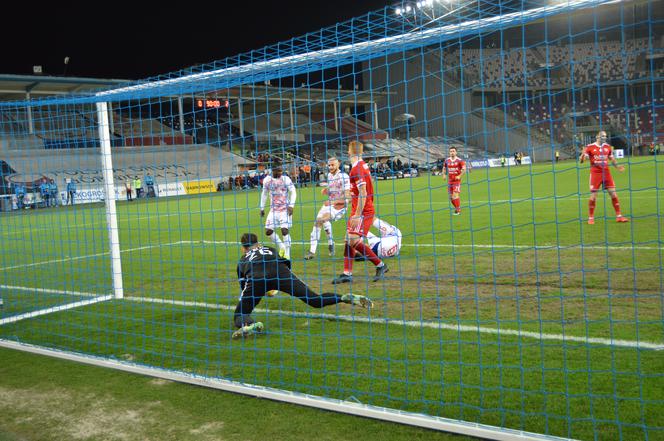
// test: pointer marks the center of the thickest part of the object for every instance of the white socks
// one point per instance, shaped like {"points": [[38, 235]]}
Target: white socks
{"points": [[327, 226], [315, 236]]}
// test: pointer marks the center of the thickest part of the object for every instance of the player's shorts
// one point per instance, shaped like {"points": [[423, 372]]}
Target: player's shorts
{"points": [[335, 214], [601, 180], [454, 187], [388, 246], [363, 228], [278, 219]]}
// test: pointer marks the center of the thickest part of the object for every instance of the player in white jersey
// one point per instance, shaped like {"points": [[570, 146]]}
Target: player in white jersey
{"points": [[282, 201], [338, 192], [388, 244]]}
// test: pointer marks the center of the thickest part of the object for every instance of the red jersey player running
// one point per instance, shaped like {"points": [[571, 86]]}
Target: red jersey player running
{"points": [[600, 153], [362, 215], [454, 168]]}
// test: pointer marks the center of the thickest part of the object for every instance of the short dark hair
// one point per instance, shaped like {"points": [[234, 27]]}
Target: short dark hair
{"points": [[248, 239]]}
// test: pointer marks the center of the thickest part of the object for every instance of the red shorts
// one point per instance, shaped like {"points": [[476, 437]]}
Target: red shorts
{"points": [[454, 186], [601, 180], [363, 228]]}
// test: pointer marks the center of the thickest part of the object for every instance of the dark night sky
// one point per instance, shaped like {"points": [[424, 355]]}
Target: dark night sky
{"points": [[134, 41]]}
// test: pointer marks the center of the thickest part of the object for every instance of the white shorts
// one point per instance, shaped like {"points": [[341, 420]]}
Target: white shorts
{"points": [[388, 246], [335, 214], [278, 219]]}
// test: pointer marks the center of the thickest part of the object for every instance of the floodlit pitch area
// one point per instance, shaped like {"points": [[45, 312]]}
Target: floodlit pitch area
{"points": [[476, 320]]}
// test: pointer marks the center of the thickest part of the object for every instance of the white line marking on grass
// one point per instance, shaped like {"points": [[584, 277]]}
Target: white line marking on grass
{"points": [[346, 318], [41, 312], [426, 245], [49, 291], [89, 224], [424, 324], [68, 259], [449, 245]]}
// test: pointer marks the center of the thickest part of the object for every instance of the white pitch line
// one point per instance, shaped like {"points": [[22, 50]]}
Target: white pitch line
{"points": [[41, 312], [49, 291], [448, 245], [424, 324], [381, 321], [426, 245], [87, 256]]}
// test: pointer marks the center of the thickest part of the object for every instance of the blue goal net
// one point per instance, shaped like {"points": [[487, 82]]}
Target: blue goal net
{"points": [[442, 213]]}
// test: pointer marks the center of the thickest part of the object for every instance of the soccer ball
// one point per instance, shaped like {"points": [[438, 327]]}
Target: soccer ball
{"points": [[272, 293]]}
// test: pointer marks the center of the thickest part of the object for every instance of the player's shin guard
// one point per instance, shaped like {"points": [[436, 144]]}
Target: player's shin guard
{"points": [[315, 236], [366, 251], [591, 207], [457, 203], [616, 205], [349, 256]]}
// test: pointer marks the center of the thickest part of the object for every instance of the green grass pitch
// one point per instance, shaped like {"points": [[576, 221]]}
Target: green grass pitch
{"points": [[516, 313]]}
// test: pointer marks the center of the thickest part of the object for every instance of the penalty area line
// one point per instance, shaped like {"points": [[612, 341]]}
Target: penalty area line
{"points": [[51, 310], [631, 344]]}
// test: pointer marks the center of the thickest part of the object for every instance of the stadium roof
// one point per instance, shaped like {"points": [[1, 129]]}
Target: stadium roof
{"points": [[16, 87]]}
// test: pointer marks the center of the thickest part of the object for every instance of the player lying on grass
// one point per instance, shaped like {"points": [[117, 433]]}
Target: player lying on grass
{"points": [[387, 244], [261, 270]]}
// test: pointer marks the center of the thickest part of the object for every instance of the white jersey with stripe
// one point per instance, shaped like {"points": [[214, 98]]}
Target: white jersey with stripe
{"points": [[281, 191]]}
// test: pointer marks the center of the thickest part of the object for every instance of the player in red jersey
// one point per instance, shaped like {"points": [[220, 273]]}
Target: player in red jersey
{"points": [[362, 215], [600, 153], [453, 169]]}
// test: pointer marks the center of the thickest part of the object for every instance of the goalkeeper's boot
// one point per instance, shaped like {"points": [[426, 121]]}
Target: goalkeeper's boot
{"points": [[343, 278], [246, 330], [380, 272], [330, 248], [309, 255], [591, 221], [621, 219], [355, 299]]}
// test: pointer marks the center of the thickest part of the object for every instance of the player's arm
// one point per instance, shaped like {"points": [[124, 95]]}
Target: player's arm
{"points": [[584, 156], [463, 170], [292, 193], [621, 168], [444, 171], [263, 197]]}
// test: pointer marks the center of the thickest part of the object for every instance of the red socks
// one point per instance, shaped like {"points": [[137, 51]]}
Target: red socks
{"points": [[616, 205], [614, 201], [366, 250], [349, 256], [456, 202], [362, 248]]}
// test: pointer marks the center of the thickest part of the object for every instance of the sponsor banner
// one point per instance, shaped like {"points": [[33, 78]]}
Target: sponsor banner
{"points": [[479, 163], [495, 162], [619, 153], [171, 189], [198, 187]]}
